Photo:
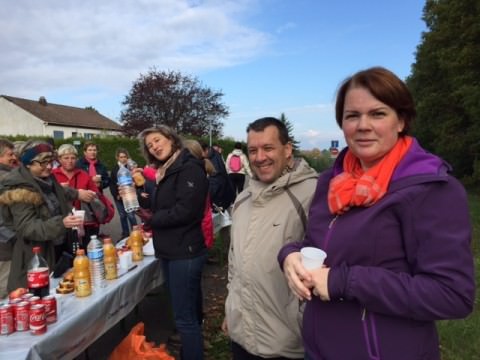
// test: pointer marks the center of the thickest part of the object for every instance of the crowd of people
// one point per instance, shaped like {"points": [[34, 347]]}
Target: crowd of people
{"points": [[392, 219]]}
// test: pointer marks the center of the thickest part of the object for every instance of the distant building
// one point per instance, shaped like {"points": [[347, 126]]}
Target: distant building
{"points": [[39, 118]]}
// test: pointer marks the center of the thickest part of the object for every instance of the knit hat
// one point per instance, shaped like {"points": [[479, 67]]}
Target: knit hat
{"points": [[35, 151]]}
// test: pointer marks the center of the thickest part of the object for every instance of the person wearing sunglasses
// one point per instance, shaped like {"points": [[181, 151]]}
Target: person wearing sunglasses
{"points": [[36, 207]]}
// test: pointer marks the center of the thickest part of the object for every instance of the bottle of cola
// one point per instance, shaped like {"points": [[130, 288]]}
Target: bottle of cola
{"points": [[38, 280]]}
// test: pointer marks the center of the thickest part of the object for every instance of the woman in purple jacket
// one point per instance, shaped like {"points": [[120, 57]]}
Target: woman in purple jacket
{"points": [[396, 228]]}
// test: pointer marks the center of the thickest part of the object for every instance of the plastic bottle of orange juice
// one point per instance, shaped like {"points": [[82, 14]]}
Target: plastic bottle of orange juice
{"points": [[136, 243], [109, 259], [81, 274]]}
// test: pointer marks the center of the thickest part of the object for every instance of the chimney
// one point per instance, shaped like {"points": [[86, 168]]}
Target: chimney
{"points": [[42, 100]]}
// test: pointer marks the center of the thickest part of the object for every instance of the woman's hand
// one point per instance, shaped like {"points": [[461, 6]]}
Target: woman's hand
{"points": [[71, 221], [86, 195], [298, 277], [319, 283]]}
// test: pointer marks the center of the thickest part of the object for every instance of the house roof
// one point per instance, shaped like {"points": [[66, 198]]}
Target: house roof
{"points": [[63, 115]]}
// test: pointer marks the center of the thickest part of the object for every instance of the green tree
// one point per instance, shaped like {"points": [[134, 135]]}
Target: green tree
{"points": [[445, 82], [289, 127], [173, 99]]}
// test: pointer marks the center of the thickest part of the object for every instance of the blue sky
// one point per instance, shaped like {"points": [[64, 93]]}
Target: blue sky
{"points": [[266, 56]]}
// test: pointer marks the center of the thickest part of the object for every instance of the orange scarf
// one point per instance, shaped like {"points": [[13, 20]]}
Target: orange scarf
{"points": [[357, 187]]}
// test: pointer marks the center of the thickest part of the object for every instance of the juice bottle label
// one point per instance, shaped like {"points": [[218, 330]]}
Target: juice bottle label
{"points": [[110, 270], [82, 287]]}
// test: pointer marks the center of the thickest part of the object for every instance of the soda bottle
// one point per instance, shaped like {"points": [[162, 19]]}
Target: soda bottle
{"points": [[38, 280], [95, 257], [138, 178], [136, 243], [109, 259], [127, 190], [81, 274]]}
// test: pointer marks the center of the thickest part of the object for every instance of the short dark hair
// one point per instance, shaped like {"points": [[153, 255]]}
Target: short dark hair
{"points": [[88, 144], [5, 144], [166, 131], [385, 86], [260, 125], [121, 150], [238, 145]]}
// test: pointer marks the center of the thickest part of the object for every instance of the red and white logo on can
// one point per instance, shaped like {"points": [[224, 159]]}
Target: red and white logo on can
{"points": [[38, 323], [50, 303], [22, 310], [6, 319]]}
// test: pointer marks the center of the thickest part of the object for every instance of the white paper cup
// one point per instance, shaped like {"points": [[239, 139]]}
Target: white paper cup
{"points": [[125, 259], [312, 257], [80, 214]]}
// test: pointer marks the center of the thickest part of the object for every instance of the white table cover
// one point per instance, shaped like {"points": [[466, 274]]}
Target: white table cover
{"points": [[83, 320]]}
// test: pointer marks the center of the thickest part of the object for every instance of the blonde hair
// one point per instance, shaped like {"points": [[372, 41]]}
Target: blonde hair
{"points": [[196, 150], [67, 149]]}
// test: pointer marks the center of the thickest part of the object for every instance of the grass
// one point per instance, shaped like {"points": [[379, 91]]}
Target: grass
{"points": [[460, 339]]}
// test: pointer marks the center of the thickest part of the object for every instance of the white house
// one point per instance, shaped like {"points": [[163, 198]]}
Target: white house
{"points": [[39, 118]]}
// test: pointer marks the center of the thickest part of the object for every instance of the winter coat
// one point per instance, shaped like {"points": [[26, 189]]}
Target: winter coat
{"points": [[7, 236], [263, 315], [245, 169], [25, 211], [396, 266], [178, 205], [101, 169], [221, 189]]}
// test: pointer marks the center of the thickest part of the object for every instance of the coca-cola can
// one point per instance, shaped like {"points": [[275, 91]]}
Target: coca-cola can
{"points": [[22, 310], [38, 322], [15, 301], [50, 303], [6, 319], [27, 296], [34, 300]]}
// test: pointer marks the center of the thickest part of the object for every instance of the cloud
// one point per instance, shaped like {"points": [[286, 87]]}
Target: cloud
{"points": [[51, 45], [285, 27]]}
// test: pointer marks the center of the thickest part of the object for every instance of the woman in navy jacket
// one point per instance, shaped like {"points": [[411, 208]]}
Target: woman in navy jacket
{"points": [[177, 205], [396, 229]]}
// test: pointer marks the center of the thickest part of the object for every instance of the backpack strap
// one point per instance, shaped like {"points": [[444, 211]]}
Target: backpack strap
{"points": [[298, 206]]}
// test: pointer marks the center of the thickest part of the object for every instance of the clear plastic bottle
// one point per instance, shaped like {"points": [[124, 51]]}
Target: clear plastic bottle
{"points": [[137, 177], [97, 267], [110, 259], [38, 280], [81, 274], [136, 243], [127, 190]]}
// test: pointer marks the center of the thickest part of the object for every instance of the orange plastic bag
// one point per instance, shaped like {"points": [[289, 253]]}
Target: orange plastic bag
{"points": [[134, 347]]}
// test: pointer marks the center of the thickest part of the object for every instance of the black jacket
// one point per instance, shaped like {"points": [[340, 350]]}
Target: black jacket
{"points": [[178, 205]]}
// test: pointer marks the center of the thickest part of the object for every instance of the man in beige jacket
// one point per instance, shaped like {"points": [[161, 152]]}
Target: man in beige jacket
{"points": [[262, 316]]}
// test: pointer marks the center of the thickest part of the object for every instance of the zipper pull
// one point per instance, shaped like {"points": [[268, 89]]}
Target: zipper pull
{"points": [[364, 313], [332, 222]]}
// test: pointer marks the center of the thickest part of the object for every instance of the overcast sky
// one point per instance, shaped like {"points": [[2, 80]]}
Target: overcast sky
{"points": [[266, 56]]}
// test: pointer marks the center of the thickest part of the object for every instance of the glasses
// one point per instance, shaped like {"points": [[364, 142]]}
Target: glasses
{"points": [[44, 163]]}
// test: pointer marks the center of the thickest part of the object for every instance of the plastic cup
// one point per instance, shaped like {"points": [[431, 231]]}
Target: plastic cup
{"points": [[125, 259], [80, 214], [312, 257]]}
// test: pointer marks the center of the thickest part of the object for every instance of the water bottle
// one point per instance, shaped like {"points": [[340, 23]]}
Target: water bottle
{"points": [[97, 267], [127, 190]]}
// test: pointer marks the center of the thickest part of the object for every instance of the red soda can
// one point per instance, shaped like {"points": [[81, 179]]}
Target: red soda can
{"points": [[27, 296], [34, 300], [15, 301], [50, 303], [6, 319], [22, 310], [38, 322]]}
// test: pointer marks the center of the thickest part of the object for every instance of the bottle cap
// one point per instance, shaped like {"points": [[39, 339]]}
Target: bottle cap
{"points": [[107, 240], [36, 249], [80, 252]]}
